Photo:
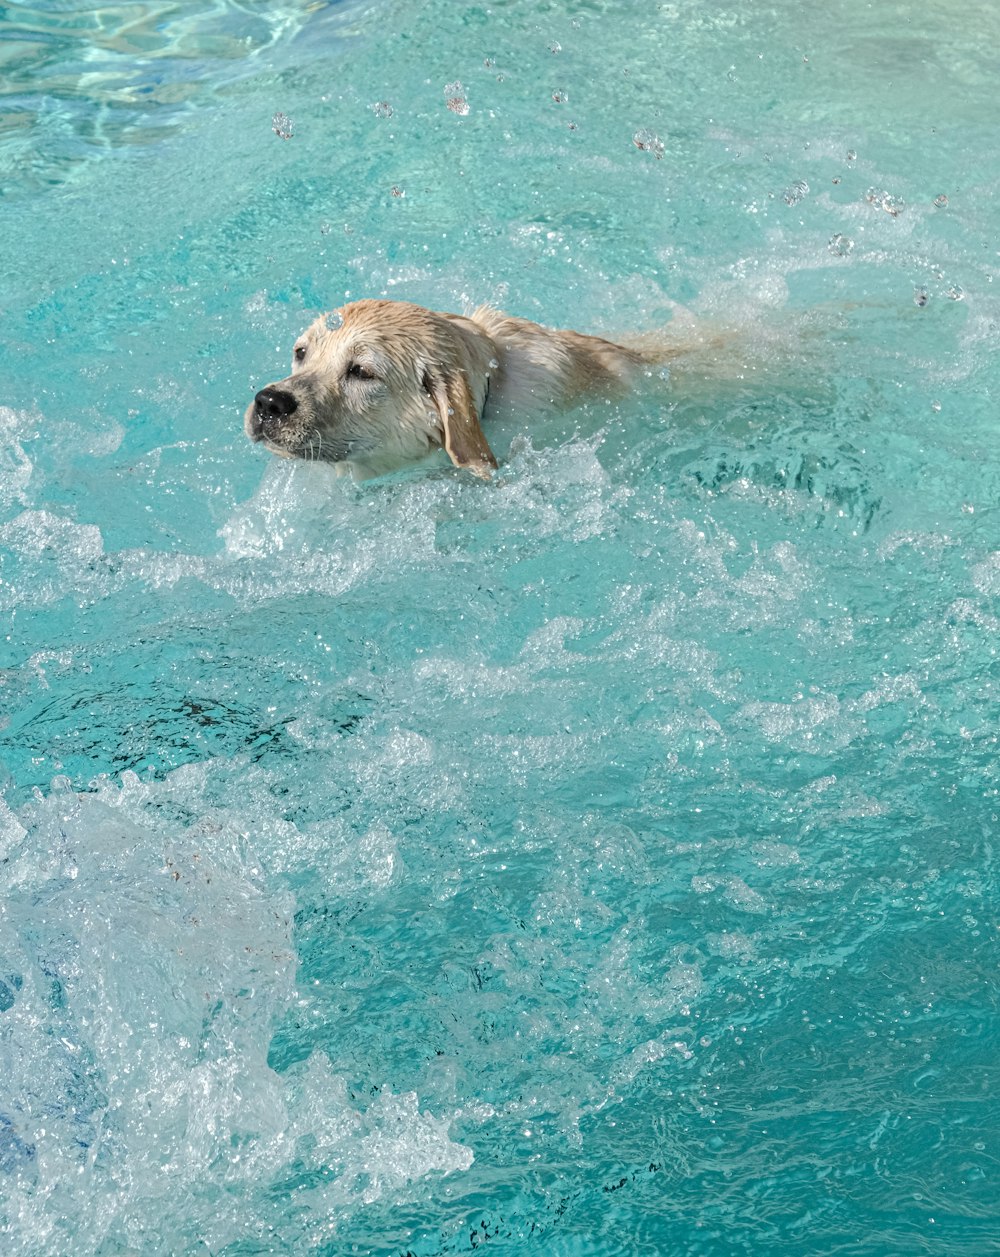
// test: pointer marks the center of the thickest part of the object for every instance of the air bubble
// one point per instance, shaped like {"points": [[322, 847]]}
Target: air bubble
{"points": [[840, 246], [920, 297], [941, 201], [956, 293], [648, 142], [493, 364], [560, 97], [396, 190], [382, 109], [555, 46], [333, 321], [282, 126], [851, 155]]}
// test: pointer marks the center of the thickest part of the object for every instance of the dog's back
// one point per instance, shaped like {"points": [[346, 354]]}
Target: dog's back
{"points": [[541, 368]]}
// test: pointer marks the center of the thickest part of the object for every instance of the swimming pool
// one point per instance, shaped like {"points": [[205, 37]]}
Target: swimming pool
{"points": [[598, 861]]}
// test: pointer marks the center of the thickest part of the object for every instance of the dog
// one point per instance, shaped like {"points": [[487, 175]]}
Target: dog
{"points": [[378, 385]]}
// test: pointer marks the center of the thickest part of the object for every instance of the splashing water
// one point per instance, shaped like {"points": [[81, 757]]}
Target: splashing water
{"points": [[599, 860], [796, 192], [282, 126], [456, 102], [892, 205], [649, 142]]}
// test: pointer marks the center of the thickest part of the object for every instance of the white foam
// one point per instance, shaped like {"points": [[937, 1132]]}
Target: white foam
{"points": [[155, 963], [37, 533], [986, 575], [15, 466]]}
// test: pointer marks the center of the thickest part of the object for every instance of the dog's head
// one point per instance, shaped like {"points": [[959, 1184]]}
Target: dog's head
{"points": [[376, 386]]}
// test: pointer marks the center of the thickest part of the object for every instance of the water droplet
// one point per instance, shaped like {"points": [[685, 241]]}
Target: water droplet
{"points": [[560, 97], [840, 246], [935, 406], [956, 293], [649, 142], [396, 190], [456, 101], [282, 126], [334, 321], [941, 201], [920, 297], [382, 109], [324, 229], [851, 155], [794, 194], [664, 374], [493, 364], [836, 179], [885, 201], [555, 46]]}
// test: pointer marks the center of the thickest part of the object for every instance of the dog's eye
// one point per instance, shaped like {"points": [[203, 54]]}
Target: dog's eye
{"points": [[356, 371], [299, 353]]}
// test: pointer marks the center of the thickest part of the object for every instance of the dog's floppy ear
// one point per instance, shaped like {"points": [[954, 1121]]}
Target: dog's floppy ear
{"points": [[464, 441], [457, 380]]}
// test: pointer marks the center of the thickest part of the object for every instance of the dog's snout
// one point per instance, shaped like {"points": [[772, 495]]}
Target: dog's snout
{"points": [[274, 404]]}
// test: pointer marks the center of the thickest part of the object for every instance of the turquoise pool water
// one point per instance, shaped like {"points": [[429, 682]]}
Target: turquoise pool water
{"points": [[599, 861]]}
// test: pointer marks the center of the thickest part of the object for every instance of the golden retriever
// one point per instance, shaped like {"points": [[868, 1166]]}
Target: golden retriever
{"points": [[378, 385]]}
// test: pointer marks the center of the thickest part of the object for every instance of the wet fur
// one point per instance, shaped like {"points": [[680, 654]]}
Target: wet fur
{"points": [[379, 385]]}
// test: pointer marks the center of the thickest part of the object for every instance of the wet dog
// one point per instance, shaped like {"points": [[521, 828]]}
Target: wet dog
{"points": [[379, 385]]}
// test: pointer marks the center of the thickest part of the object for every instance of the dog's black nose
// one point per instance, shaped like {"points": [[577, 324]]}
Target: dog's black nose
{"points": [[274, 404]]}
